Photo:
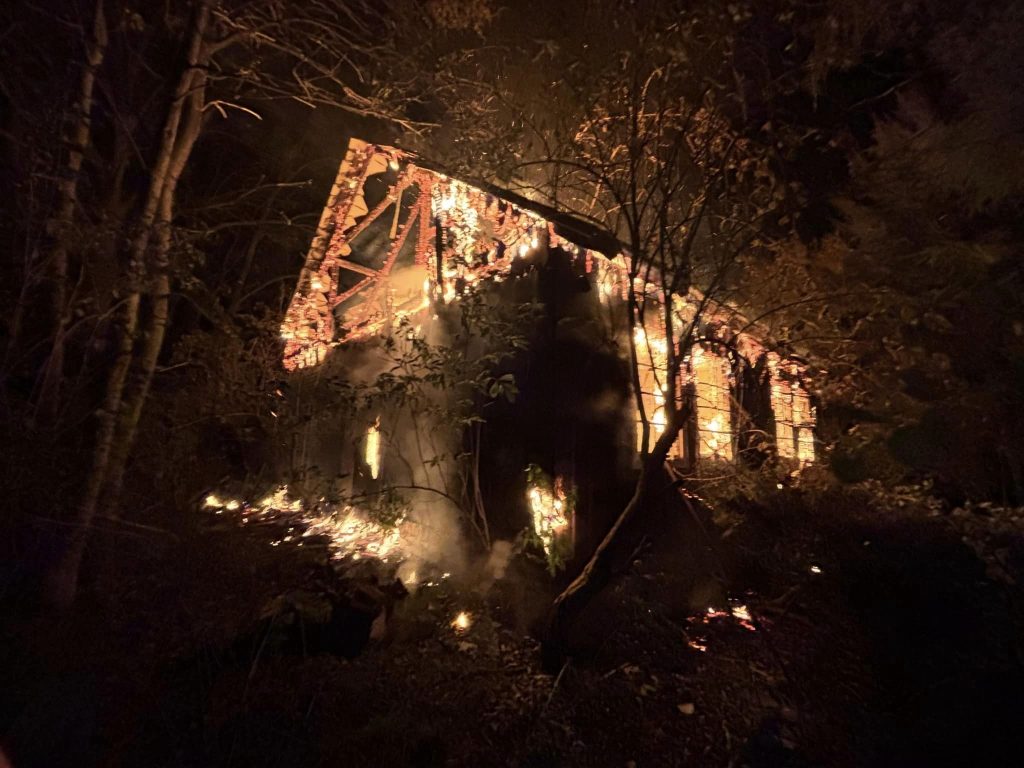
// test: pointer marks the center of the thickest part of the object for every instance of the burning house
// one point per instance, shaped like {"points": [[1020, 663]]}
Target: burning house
{"points": [[398, 240]]}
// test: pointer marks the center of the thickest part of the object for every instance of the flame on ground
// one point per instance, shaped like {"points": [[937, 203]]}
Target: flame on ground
{"points": [[349, 533], [353, 535]]}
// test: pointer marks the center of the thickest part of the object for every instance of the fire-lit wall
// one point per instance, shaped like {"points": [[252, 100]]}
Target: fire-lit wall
{"points": [[794, 416], [713, 396]]}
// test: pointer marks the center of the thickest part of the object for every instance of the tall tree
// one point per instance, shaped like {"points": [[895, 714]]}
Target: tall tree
{"points": [[62, 226]]}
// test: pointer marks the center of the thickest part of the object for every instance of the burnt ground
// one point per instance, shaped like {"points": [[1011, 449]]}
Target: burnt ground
{"points": [[898, 653]]}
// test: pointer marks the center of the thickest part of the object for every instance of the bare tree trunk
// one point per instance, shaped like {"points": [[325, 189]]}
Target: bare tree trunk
{"points": [[634, 370], [135, 398], [596, 573], [61, 582], [18, 313], [237, 295], [78, 141]]}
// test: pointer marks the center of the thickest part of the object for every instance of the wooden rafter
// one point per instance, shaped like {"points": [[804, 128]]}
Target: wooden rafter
{"points": [[351, 266], [351, 291], [377, 281]]}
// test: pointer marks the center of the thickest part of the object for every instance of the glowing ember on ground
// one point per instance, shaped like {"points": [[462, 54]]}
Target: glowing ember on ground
{"points": [[742, 615], [815, 569], [737, 611], [741, 612], [462, 621]]}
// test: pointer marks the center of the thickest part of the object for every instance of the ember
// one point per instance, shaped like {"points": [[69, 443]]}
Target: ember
{"points": [[700, 623], [462, 622], [742, 614], [213, 502]]}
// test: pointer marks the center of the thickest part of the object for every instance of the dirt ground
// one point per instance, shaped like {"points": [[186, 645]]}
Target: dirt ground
{"points": [[842, 638]]}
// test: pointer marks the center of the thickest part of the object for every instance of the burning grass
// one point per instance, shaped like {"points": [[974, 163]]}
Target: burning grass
{"points": [[350, 533]]}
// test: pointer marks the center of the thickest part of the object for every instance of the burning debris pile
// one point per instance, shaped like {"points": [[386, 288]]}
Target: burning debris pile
{"points": [[350, 533]]}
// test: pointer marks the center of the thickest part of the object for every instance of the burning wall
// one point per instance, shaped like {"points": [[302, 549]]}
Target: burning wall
{"points": [[794, 414], [711, 376]]}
